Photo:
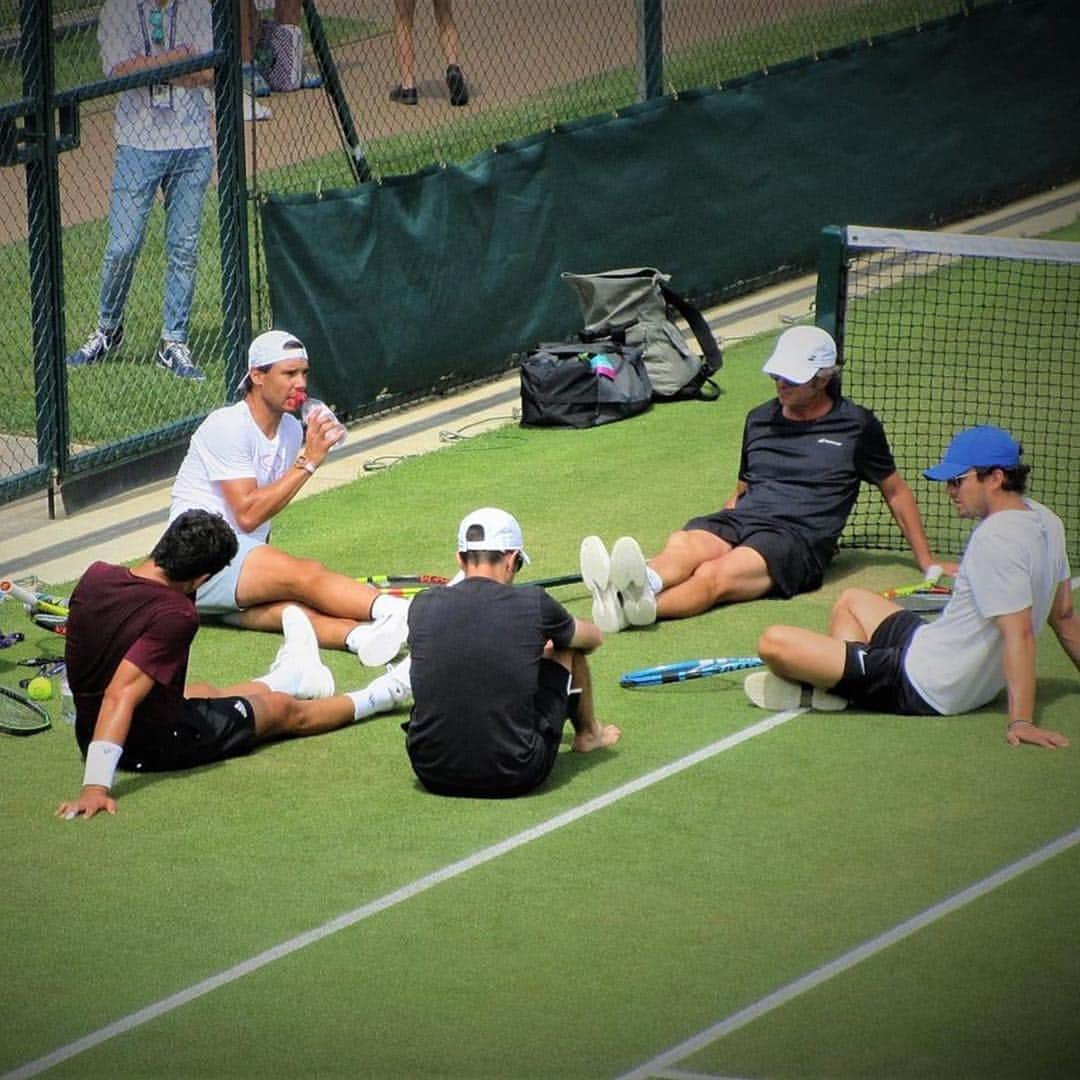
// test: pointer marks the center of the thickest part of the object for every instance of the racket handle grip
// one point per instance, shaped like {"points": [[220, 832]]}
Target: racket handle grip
{"points": [[17, 591]]}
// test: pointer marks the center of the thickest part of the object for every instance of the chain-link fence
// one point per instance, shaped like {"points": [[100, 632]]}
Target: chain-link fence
{"points": [[529, 65], [130, 347], [378, 94]]}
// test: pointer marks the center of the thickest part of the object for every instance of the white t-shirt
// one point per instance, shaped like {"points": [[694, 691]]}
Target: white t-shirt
{"points": [[228, 445], [1015, 559], [124, 32]]}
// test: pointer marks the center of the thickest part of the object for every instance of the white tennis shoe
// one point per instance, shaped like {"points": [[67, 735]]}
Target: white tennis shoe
{"points": [[607, 611], [769, 691], [629, 576], [378, 642], [298, 669]]}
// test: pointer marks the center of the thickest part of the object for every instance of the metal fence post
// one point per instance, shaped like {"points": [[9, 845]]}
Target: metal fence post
{"points": [[650, 48], [232, 192], [831, 282], [46, 275]]}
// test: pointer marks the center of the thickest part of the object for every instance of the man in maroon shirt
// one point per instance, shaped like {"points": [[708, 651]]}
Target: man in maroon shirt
{"points": [[129, 634]]}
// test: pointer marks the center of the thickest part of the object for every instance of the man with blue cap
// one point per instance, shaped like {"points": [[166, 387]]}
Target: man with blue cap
{"points": [[1013, 579]]}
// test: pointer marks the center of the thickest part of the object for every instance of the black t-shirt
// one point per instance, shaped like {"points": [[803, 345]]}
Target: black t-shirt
{"points": [[116, 615], [476, 649], [805, 474]]}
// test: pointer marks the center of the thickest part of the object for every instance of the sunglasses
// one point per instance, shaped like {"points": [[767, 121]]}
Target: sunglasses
{"points": [[956, 481], [156, 19]]}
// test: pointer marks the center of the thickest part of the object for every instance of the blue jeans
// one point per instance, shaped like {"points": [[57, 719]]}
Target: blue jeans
{"points": [[137, 174]]}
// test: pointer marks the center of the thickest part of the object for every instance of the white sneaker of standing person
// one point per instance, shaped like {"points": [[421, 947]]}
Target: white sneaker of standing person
{"points": [[297, 669], [255, 110], [378, 642], [385, 693], [769, 691]]}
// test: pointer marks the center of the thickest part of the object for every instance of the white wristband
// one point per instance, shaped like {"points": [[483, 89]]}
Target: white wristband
{"points": [[101, 760]]}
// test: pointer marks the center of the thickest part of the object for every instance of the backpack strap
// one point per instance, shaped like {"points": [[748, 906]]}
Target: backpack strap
{"points": [[696, 321]]}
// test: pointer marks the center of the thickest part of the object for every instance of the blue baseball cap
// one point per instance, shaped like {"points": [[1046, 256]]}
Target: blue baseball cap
{"points": [[982, 447]]}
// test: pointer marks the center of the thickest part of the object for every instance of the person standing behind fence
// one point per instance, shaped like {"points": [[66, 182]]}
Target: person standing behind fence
{"points": [[405, 92], [163, 141], [272, 53]]}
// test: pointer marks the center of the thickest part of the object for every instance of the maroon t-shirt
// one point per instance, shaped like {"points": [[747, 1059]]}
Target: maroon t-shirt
{"points": [[114, 616]]}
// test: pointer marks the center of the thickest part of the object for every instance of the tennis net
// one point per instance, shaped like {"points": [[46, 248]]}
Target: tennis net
{"points": [[940, 331]]}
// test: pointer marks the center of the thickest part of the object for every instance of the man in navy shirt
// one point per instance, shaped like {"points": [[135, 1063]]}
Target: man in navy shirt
{"points": [[804, 456]]}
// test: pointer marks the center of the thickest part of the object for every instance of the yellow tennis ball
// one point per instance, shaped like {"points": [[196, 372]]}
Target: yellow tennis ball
{"points": [[40, 688]]}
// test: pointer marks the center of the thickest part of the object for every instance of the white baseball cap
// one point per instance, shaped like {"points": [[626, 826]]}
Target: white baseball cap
{"points": [[800, 353], [270, 347], [500, 532]]}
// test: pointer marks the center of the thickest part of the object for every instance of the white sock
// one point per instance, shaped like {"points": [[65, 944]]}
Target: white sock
{"points": [[383, 605], [653, 579], [374, 698]]}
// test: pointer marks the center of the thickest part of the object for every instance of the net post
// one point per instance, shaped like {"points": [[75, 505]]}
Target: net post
{"points": [[832, 285]]}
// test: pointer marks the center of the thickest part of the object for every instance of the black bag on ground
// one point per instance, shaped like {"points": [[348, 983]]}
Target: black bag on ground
{"points": [[633, 306], [581, 386]]}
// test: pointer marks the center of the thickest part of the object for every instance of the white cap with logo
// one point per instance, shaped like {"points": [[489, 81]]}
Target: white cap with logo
{"points": [[800, 353], [499, 531], [270, 347]]}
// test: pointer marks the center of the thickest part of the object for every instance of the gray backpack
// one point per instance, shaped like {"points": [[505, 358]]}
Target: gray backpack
{"points": [[632, 306]]}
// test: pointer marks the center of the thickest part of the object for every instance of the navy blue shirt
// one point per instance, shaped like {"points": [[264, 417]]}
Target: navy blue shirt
{"points": [[476, 649], [805, 474]]}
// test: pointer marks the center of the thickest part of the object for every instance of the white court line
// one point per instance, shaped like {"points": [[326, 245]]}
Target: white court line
{"points": [[398, 896], [662, 1062]]}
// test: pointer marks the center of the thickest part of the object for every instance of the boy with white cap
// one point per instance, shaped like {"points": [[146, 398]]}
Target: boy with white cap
{"points": [[495, 672], [247, 462], [1012, 580], [804, 455]]}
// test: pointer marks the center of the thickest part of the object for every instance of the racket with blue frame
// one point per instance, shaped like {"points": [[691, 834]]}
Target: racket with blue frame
{"points": [[684, 670]]}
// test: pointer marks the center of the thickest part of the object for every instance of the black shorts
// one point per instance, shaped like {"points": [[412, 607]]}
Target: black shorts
{"points": [[199, 731], [790, 560], [874, 674], [552, 706]]}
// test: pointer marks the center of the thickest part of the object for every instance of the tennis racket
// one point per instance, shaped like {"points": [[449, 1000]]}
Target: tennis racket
{"points": [[403, 581], [925, 595], [688, 669], [21, 716], [36, 603], [552, 582], [925, 600]]}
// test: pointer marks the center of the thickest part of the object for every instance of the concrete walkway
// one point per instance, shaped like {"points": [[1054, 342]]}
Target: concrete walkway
{"points": [[126, 527]]}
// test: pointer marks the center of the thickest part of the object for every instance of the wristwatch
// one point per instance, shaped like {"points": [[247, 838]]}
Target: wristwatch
{"points": [[302, 462]]}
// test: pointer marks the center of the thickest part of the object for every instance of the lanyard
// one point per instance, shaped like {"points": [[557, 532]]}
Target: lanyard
{"points": [[144, 25], [156, 90]]}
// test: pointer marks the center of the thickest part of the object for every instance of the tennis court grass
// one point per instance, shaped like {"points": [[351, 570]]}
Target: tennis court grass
{"points": [[589, 948]]}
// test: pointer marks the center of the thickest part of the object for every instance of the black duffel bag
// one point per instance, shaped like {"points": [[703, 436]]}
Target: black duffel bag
{"points": [[580, 386]]}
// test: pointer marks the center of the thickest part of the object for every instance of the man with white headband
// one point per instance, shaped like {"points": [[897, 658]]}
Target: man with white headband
{"points": [[804, 456], [247, 462]]}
